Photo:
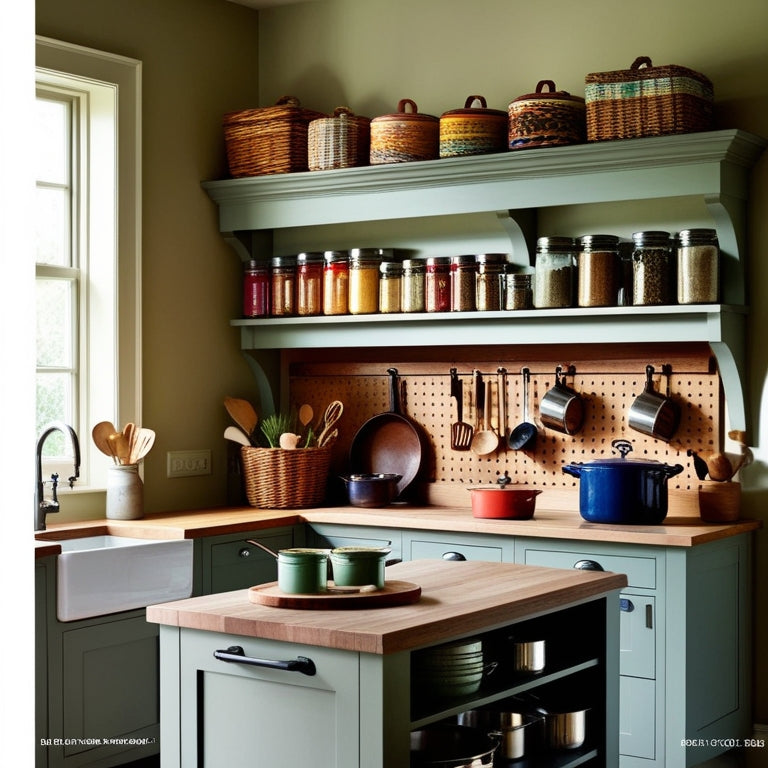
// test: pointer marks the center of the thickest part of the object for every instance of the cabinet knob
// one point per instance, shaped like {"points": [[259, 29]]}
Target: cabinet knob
{"points": [[453, 556], [244, 552], [588, 565]]}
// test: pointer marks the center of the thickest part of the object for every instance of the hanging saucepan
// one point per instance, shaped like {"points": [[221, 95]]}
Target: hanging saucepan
{"points": [[390, 443], [562, 408], [652, 413]]}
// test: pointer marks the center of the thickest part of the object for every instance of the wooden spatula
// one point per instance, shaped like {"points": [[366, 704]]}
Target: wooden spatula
{"points": [[461, 432], [242, 413]]}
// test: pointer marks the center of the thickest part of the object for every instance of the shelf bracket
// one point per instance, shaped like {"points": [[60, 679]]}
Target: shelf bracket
{"points": [[730, 219], [520, 226], [256, 244]]}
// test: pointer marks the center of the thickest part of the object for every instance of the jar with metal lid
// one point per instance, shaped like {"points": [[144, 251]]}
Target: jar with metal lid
{"points": [[283, 286], [364, 266], [309, 283], [651, 268], [412, 288], [463, 271], [518, 291], [256, 291], [390, 286], [490, 266], [437, 284], [336, 283], [553, 281], [598, 269], [698, 266]]}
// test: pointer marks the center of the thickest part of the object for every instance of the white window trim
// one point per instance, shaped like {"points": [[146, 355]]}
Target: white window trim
{"points": [[121, 400]]}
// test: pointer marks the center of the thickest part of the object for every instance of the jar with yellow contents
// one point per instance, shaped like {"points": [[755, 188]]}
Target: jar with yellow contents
{"points": [[364, 266]]}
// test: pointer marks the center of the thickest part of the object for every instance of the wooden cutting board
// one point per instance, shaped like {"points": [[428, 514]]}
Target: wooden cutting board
{"points": [[392, 593]]}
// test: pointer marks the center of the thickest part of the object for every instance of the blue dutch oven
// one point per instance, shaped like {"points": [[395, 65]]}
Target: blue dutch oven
{"points": [[622, 490]]}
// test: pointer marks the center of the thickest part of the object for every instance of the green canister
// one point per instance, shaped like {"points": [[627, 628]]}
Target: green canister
{"points": [[302, 571]]}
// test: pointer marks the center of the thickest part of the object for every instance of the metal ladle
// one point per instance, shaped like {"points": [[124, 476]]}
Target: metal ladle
{"points": [[524, 434]]}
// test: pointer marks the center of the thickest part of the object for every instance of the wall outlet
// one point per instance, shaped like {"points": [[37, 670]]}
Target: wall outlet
{"points": [[189, 463]]}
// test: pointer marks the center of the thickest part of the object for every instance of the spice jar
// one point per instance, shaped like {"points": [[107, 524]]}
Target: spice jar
{"points": [[555, 270], [256, 289], [364, 280], [698, 266], [283, 286], [598, 267], [336, 283], [437, 284], [309, 283], [463, 271], [651, 268], [490, 266], [412, 289], [518, 293], [390, 286]]}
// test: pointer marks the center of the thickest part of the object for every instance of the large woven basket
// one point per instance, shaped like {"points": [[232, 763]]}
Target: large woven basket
{"points": [[276, 478], [341, 141], [405, 136], [473, 130], [647, 101], [268, 140]]}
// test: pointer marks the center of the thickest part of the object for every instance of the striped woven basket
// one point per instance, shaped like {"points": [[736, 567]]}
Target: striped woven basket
{"points": [[268, 140], [341, 141], [276, 478], [647, 101], [405, 136]]}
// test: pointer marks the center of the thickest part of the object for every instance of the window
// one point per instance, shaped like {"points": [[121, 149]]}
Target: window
{"points": [[88, 248]]}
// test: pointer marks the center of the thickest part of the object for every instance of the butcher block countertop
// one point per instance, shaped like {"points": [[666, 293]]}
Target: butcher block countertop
{"points": [[556, 523], [456, 598]]}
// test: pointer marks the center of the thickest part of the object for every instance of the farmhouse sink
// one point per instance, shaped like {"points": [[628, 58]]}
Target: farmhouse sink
{"points": [[98, 575]]}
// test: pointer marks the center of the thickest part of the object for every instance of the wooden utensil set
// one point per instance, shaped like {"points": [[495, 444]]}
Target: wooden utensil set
{"points": [[127, 447]]}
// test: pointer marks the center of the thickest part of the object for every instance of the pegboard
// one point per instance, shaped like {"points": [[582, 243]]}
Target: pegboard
{"points": [[608, 387]]}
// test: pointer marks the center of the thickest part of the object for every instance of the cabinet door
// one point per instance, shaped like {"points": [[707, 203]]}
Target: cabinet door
{"points": [[421, 545], [637, 718], [237, 715], [638, 635]]}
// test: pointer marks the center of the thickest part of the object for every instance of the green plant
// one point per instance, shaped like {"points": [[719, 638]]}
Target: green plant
{"points": [[275, 425]]}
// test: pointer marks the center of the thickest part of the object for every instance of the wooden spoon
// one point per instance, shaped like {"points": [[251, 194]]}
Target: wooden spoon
{"points": [[100, 434], [484, 441], [236, 435], [242, 413], [120, 447]]}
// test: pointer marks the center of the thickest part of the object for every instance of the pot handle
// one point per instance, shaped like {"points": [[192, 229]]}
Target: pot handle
{"points": [[671, 471], [572, 469]]}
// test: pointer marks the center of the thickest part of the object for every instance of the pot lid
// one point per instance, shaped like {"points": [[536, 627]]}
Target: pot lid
{"points": [[402, 114], [476, 111], [551, 94], [622, 462]]}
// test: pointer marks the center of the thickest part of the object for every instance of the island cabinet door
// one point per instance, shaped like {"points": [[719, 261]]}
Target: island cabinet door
{"points": [[239, 713]]}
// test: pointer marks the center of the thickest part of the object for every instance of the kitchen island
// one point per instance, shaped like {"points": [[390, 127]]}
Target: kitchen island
{"points": [[358, 701]]}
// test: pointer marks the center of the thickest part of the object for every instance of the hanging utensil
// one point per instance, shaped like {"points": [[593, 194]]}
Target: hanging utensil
{"points": [[501, 405], [242, 413], [484, 441], [143, 441], [332, 415], [236, 435], [562, 408], [120, 447], [461, 432], [524, 434]]}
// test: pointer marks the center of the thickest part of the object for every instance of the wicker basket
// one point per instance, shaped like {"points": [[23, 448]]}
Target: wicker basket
{"points": [[405, 136], [546, 118], [474, 130], [268, 140], [647, 101], [341, 141], [283, 479]]}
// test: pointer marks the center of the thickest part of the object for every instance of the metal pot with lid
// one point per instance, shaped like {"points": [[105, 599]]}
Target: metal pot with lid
{"points": [[622, 490]]}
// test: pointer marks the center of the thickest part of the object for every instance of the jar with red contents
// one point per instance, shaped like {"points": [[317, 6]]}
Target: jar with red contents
{"points": [[256, 289], [437, 284]]}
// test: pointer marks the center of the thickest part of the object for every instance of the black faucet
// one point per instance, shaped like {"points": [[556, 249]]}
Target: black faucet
{"points": [[44, 506]]}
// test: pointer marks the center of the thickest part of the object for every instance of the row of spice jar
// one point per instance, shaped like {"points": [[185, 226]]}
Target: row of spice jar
{"points": [[591, 271]]}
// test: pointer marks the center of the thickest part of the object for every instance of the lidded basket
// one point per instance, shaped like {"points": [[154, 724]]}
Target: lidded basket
{"points": [[340, 141], [546, 118], [269, 139], [473, 130], [404, 136]]}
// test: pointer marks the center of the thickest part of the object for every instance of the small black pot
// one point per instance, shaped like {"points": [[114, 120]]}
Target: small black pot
{"points": [[371, 490], [622, 490]]}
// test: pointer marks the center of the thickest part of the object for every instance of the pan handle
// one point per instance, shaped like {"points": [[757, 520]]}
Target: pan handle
{"points": [[458, 393], [394, 397]]}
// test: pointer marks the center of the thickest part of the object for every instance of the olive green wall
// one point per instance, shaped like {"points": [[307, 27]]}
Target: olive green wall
{"points": [[368, 55], [199, 61]]}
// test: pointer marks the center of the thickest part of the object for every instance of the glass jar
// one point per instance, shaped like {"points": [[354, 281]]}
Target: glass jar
{"points": [[412, 289], [336, 283], [553, 281], [651, 268], [598, 267], [518, 292], [489, 267], [463, 271], [256, 289], [283, 286], [309, 283], [364, 266], [698, 267], [390, 286], [437, 284]]}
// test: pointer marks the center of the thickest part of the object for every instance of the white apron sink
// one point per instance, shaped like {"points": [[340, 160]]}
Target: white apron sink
{"points": [[98, 575]]}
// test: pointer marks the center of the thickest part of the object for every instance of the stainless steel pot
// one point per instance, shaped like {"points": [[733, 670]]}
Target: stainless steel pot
{"points": [[452, 746], [652, 413], [562, 408], [566, 730], [520, 733], [529, 655]]}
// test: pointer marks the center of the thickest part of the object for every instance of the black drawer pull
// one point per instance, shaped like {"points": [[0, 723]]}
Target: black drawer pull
{"points": [[236, 654], [588, 565], [626, 605], [649, 616], [453, 556]]}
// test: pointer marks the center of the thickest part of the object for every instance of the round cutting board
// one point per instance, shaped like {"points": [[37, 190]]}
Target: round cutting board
{"points": [[392, 593]]}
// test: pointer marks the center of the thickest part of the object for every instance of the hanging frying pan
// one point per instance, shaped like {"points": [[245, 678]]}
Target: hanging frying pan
{"points": [[390, 443]]}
